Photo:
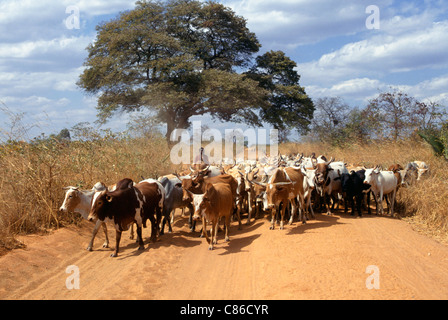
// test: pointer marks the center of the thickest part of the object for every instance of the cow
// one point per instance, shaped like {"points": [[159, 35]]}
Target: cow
{"points": [[197, 186], [79, 201], [124, 207], [255, 192], [216, 202], [353, 187], [328, 179], [422, 169], [173, 200], [308, 186], [284, 186], [382, 183], [241, 193]]}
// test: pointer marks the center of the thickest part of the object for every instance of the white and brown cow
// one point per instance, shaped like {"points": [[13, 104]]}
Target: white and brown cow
{"points": [[124, 207]]}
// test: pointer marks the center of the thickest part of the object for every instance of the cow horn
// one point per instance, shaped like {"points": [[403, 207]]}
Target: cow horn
{"points": [[204, 170], [281, 183], [328, 162], [255, 182], [191, 169]]}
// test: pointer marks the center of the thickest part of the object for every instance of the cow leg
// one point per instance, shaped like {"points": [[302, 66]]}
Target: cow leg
{"points": [[117, 243], [213, 233], [282, 216], [293, 211], [227, 221], [380, 202], [131, 236], [141, 245], [273, 217], [238, 214], [154, 228], [95, 231], [106, 242], [327, 205], [392, 202], [204, 229], [359, 204], [190, 220], [249, 207], [310, 207]]}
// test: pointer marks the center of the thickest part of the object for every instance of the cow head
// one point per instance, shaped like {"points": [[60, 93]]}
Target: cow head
{"points": [[371, 175], [310, 177], [201, 202], [71, 200], [276, 193], [322, 170], [199, 171], [100, 206]]}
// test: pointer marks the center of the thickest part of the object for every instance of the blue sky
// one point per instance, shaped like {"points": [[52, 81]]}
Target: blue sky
{"points": [[337, 55]]}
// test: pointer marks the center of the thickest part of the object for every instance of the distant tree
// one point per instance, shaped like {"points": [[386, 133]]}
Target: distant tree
{"points": [[330, 119], [64, 134], [394, 114]]}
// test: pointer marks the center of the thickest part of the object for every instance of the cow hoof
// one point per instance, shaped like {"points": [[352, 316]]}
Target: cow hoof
{"points": [[89, 248], [105, 245], [210, 248], [227, 239], [141, 248], [114, 255]]}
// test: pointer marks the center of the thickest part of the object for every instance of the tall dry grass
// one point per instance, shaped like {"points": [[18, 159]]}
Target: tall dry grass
{"points": [[32, 176]]}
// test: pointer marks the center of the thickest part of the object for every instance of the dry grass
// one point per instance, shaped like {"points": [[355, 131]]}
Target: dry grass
{"points": [[32, 177]]}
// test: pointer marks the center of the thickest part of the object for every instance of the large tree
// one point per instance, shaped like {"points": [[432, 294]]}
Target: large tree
{"points": [[177, 57]]}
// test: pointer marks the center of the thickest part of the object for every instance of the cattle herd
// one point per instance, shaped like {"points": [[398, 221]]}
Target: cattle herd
{"points": [[280, 185]]}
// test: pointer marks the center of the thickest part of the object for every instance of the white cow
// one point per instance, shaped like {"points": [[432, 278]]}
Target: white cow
{"points": [[382, 183], [80, 201], [308, 187]]}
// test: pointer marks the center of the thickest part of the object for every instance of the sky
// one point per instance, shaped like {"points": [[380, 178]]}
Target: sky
{"points": [[339, 48]]}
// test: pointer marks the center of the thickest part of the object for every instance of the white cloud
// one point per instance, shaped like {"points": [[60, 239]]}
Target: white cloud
{"points": [[382, 54], [359, 91], [288, 23], [33, 48]]}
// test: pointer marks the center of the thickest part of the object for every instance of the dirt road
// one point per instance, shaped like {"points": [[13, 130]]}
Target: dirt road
{"points": [[325, 259]]}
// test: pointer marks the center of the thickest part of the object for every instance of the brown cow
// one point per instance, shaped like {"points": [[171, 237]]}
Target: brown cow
{"points": [[254, 191], [197, 186], [136, 204], [214, 203], [285, 186]]}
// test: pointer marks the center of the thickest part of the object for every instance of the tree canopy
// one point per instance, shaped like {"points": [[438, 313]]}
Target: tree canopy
{"points": [[183, 58]]}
